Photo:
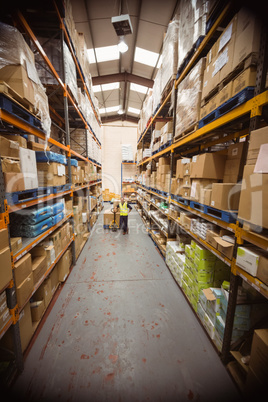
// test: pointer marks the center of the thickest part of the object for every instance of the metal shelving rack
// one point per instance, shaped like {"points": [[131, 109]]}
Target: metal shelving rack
{"points": [[250, 111], [24, 127]]}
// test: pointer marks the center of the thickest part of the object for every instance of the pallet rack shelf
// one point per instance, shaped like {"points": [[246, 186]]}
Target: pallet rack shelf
{"points": [[26, 123], [202, 138]]}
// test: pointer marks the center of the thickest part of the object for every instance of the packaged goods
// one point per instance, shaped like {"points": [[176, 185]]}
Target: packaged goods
{"points": [[170, 53], [225, 196], [208, 166]]}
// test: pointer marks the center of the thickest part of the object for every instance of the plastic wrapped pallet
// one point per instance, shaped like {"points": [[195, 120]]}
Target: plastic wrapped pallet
{"points": [[17, 69], [170, 53], [127, 152], [157, 89], [189, 98], [192, 25]]}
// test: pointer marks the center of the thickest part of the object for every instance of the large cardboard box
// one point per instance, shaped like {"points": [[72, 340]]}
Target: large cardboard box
{"points": [[44, 292], [224, 247], [64, 265], [37, 310], [39, 266], [198, 186], [4, 317], [24, 290], [225, 93], [246, 79], [52, 174], [18, 138], [253, 205], [10, 166], [4, 239], [25, 326], [180, 167], [109, 216], [225, 196], [247, 39], [44, 249], [22, 268], [208, 166], [254, 261], [9, 148], [257, 138], [17, 78], [5, 267], [259, 355], [14, 182], [55, 238], [16, 244]]}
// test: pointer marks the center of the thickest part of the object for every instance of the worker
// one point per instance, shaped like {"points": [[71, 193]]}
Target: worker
{"points": [[124, 209]]}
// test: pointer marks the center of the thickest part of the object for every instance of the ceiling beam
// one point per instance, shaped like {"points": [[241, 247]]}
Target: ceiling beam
{"points": [[136, 79], [123, 117]]}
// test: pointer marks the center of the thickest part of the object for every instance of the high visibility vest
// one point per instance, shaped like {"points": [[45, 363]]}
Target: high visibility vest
{"points": [[123, 209]]}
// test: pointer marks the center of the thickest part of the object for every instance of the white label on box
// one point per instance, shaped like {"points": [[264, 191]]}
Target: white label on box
{"points": [[220, 62], [225, 37], [234, 151], [212, 203], [262, 161], [194, 159], [61, 170]]}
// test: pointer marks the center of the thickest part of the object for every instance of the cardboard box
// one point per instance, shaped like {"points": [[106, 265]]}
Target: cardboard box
{"points": [[4, 317], [10, 166], [52, 174], [247, 39], [35, 146], [211, 238], [224, 247], [257, 139], [44, 292], [225, 60], [259, 355], [25, 326], [225, 93], [22, 268], [37, 310], [225, 196], [198, 186], [253, 205], [18, 138], [17, 78], [180, 167], [55, 238], [5, 267], [16, 244], [44, 249], [208, 166], [246, 79], [205, 196], [254, 261], [64, 265], [4, 242], [109, 216], [24, 290], [14, 182], [54, 278], [9, 148], [39, 266]]}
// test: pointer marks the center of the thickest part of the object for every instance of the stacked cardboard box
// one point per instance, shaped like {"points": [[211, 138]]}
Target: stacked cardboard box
{"points": [[253, 204], [4, 310], [5, 259], [183, 171], [52, 174], [254, 261], [258, 368], [23, 279]]}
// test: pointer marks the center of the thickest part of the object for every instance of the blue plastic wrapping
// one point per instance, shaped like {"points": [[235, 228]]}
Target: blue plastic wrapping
{"points": [[50, 157], [58, 207], [74, 162], [57, 218], [31, 216], [28, 230]]}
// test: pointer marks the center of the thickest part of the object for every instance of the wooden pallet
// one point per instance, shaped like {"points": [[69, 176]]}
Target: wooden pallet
{"points": [[168, 87], [13, 95], [186, 132], [251, 60]]}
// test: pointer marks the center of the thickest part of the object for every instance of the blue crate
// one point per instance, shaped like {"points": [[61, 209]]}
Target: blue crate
{"points": [[230, 104], [50, 157], [31, 216]]}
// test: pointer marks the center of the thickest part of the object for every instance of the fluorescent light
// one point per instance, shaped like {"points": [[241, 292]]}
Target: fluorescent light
{"points": [[133, 110], [138, 88], [146, 57], [122, 46]]}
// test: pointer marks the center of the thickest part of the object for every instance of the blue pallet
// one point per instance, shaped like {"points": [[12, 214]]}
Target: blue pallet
{"points": [[20, 112], [19, 197], [61, 189], [235, 101], [182, 200], [105, 226], [225, 216], [163, 147]]}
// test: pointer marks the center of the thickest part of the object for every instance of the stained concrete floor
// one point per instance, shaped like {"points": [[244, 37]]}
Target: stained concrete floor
{"points": [[121, 330]]}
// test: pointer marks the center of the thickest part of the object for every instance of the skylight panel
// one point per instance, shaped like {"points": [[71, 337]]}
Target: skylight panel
{"points": [[146, 57], [110, 87], [91, 56], [107, 53], [112, 109], [138, 88], [96, 88], [133, 110]]}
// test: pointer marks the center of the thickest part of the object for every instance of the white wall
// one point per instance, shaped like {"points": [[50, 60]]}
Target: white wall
{"points": [[113, 136]]}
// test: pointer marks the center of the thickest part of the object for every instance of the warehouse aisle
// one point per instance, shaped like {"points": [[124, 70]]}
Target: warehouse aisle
{"points": [[121, 330]]}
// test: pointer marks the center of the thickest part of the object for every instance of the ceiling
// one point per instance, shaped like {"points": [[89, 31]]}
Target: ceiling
{"points": [[149, 19]]}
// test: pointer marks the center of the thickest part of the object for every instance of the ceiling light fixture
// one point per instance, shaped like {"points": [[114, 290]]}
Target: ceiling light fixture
{"points": [[120, 110], [122, 46]]}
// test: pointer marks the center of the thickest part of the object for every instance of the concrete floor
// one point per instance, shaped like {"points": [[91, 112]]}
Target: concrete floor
{"points": [[121, 330]]}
